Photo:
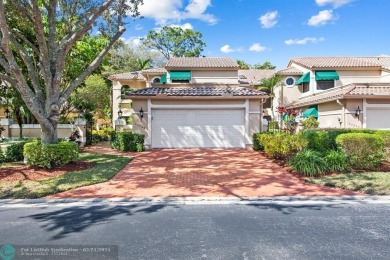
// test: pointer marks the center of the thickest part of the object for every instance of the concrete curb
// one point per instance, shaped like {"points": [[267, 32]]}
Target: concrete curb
{"points": [[293, 200]]}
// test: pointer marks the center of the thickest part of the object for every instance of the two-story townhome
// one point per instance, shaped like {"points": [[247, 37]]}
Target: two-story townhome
{"points": [[193, 103], [347, 92]]}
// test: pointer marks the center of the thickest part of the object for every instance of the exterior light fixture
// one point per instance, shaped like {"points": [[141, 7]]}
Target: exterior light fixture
{"points": [[357, 112], [6, 113], [141, 113], [120, 114]]}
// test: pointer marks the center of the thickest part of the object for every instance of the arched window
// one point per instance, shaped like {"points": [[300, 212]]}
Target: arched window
{"points": [[125, 89], [156, 80]]}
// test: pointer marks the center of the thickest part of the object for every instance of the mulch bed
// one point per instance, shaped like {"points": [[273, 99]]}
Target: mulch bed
{"points": [[23, 172]]}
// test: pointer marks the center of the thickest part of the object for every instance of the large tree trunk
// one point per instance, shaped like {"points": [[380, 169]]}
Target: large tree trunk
{"points": [[49, 133]]}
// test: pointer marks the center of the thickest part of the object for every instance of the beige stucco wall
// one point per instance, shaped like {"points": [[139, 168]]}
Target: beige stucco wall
{"points": [[351, 121], [357, 76], [34, 131], [116, 95], [330, 115], [214, 76]]}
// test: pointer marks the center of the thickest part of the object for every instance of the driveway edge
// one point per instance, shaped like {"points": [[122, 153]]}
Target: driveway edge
{"points": [[301, 200]]}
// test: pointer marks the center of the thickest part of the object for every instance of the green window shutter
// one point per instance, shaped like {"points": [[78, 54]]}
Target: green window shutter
{"points": [[327, 75], [163, 78], [180, 75], [303, 79], [311, 111]]}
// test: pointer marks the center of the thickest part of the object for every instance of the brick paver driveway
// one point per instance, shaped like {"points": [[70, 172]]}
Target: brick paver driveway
{"points": [[199, 172]]}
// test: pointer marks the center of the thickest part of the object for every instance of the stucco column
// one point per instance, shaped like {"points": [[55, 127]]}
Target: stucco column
{"points": [[116, 99], [6, 123], [81, 126]]}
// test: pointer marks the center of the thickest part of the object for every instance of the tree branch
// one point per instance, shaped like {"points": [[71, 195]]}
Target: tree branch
{"points": [[44, 54], [65, 95], [9, 79]]}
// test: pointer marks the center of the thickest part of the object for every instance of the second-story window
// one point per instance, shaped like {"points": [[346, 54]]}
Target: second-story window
{"points": [[180, 76], [326, 79], [305, 87], [325, 84]]}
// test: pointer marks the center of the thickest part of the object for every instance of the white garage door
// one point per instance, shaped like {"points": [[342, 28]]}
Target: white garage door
{"points": [[198, 128], [378, 118]]}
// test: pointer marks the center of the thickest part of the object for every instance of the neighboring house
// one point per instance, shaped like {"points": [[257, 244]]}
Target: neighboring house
{"points": [[193, 103], [347, 92]]}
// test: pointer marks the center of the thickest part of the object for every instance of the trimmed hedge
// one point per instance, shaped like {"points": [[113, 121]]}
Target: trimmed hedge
{"points": [[50, 155], [282, 145], [325, 138], [364, 151], [13, 152], [127, 141]]}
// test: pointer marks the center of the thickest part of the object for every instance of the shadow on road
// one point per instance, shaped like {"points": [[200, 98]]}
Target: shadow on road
{"points": [[76, 219]]}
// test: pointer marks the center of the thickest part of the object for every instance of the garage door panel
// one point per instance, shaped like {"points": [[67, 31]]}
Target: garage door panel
{"points": [[198, 128], [377, 118]]}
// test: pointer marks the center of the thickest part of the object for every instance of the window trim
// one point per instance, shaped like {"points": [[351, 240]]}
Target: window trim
{"points": [[318, 89]]}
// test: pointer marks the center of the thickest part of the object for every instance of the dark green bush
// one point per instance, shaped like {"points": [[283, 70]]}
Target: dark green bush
{"points": [[308, 162], [257, 145], [364, 151], [325, 139], [273, 125], [14, 152], [127, 141], [51, 155], [282, 145], [336, 161]]}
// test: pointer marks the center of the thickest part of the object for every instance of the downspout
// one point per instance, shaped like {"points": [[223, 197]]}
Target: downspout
{"points": [[342, 112]]}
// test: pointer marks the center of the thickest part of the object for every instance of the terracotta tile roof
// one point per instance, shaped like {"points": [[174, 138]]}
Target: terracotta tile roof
{"points": [[340, 62], [289, 71], [370, 90], [202, 62], [254, 75], [154, 71], [350, 90], [134, 75], [196, 91]]}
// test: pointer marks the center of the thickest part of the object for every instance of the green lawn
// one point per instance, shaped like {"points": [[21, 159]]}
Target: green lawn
{"points": [[106, 167], [376, 183]]}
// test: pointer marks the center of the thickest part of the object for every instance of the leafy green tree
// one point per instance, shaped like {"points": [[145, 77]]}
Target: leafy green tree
{"points": [[266, 65], [243, 65], [37, 39], [175, 42], [268, 85]]}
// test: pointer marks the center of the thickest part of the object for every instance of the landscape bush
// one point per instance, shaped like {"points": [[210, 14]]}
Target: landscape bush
{"points": [[336, 161], [309, 162], [310, 123], [282, 145], [127, 141], [325, 139], [385, 135], [13, 152], [50, 155], [364, 151], [257, 144], [101, 135]]}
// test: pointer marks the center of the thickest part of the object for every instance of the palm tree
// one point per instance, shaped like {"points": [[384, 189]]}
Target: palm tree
{"points": [[268, 85]]}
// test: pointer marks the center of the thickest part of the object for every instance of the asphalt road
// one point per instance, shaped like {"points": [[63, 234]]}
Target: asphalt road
{"points": [[271, 231]]}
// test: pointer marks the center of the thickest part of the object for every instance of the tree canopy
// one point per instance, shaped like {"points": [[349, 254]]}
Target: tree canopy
{"points": [[266, 65], [38, 38], [176, 42]]}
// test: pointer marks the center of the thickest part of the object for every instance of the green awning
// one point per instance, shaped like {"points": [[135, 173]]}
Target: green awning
{"points": [[327, 75], [304, 78], [180, 75], [311, 111], [163, 78]]}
